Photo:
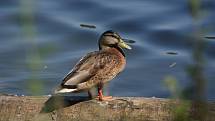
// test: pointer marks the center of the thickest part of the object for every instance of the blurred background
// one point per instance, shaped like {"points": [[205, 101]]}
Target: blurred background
{"points": [[41, 40]]}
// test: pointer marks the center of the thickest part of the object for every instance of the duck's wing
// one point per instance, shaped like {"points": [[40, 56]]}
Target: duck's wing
{"points": [[99, 63], [82, 71]]}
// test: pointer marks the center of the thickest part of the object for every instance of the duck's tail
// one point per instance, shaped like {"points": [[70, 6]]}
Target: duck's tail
{"points": [[65, 89]]}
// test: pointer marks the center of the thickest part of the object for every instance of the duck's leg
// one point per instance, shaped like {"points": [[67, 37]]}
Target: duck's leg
{"points": [[101, 97], [90, 96], [92, 93]]}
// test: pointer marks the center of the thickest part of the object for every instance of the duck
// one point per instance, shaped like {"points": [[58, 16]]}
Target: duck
{"points": [[97, 68]]}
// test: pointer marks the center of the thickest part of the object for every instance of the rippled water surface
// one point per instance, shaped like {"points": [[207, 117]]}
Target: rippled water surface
{"points": [[46, 48]]}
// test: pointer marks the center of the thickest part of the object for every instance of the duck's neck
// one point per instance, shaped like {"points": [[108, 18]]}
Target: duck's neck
{"points": [[120, 50], [115, 47]]}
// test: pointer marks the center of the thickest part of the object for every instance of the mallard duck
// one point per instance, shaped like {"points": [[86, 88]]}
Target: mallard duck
{"points": [[98, 67]]}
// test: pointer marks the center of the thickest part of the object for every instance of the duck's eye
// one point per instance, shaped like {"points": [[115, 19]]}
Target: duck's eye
{"points": [[112, 45]]}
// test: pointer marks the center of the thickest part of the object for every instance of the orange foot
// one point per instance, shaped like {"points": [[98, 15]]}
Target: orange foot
{"points": [[104, 98], [101, 97]]}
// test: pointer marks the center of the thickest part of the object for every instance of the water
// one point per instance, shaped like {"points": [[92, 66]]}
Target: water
{"points": [[58, 42]]}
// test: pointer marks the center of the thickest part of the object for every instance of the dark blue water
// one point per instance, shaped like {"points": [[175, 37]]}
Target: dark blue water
{"points": [[43, 50]]}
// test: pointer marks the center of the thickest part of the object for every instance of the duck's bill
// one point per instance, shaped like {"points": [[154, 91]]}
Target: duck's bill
{"points": [[122, 44]]}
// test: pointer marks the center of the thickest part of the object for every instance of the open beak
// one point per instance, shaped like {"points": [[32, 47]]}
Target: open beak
{"points": [[123, 44]]}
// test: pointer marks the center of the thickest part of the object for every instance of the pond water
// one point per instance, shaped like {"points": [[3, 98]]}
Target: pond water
{"points": [[44, 47]]}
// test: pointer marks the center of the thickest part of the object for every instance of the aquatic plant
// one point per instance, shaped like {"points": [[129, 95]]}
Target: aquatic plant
{"points": [[193, 98]]}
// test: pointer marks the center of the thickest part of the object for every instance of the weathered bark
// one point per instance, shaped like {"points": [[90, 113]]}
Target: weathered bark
{"points": [[64, 108]]}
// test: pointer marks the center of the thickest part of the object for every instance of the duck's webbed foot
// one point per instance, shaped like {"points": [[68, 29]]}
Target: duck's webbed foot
{"points": [[100, 96]]}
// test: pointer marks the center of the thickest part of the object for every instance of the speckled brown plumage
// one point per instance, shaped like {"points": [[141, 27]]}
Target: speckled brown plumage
{"points": [[102, 67], [96, 68]]}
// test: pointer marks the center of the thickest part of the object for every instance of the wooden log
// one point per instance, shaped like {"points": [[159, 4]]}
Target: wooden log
{"points": [[68, 108]]}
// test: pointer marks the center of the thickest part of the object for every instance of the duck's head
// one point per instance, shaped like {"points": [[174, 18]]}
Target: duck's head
{"points": [[111, 39]]}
